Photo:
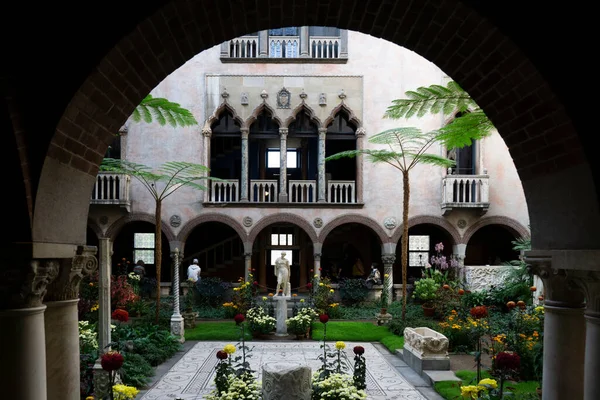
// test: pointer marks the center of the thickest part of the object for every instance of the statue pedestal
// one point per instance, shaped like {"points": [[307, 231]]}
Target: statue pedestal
{"points": [[281, 314]]}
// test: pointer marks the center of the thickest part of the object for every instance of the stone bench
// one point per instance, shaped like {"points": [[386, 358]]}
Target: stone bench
{"points": [[425, 349]]}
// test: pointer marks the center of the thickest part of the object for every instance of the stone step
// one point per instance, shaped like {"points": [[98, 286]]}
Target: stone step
{"points": [[433, 376]]}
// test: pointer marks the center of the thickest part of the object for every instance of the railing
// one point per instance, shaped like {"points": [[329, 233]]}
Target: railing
{"points": [[263, 191], [464, 189], [284, 46], [325, 47], [111, 188], [244, 47], [218, 254], [341, 192], [224, 191], [302, 191]]}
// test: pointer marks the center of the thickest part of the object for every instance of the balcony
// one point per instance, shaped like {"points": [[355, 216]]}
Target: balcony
{"points": [[266, 191], [112, 189], [465, 192]]}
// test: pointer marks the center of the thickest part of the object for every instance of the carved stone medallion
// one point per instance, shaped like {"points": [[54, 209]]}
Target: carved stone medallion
{"points": [[283, 98], [103, 220], [461, 223], [390, 222], [175, 221], [247, 222], [318, 222]]}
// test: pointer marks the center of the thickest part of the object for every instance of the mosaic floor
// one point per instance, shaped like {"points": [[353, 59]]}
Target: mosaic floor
{"points": [[191, 378]]}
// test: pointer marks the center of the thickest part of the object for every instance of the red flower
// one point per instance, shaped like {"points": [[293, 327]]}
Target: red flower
{"points": [[239, 318], [358, 350], [324, 318], [111, 361], [308, 285], [311, 270], [255, 283], [479, 312], [221, 355], [506, 361], [120, 315], [320, 269]]}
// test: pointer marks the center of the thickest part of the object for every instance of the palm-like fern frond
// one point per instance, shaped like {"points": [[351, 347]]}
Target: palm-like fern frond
{"points": [[434, 159], [163, 111], [463, 130], [431, 99]]}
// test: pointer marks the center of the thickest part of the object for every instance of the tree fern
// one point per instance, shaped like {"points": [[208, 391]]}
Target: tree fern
{"points": [[163, 111]]}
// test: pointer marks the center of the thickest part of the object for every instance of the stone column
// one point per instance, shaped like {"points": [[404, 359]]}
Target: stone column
{"points": [[304, 42], [224, 50], [360, 145], [247, 265], [317, 248], [62, 327], [388, 268], [563, 348], [344, 43], [321, 165], [206, 136], [177, 327], [245, 166], [263, 43], [283, 197], [459, 251], [22, 336]]}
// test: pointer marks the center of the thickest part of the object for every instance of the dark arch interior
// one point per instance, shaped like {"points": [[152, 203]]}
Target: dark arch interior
{"points": [[219, 250], [346, 243], [341, 136], [491, 245], [436, 235], [124, 248]]}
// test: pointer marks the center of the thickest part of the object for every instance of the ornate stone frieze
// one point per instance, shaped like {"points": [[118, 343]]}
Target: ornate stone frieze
{"points": [[484, 277], [425, 342], [70, 274]]}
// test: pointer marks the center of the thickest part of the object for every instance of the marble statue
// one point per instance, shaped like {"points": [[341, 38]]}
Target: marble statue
{"points": [[282, 272]]}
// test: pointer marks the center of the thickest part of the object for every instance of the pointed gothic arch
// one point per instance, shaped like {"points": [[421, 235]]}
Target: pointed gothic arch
{"points": [[224, 106], [342, 107], [300, 108], [258, 110]]}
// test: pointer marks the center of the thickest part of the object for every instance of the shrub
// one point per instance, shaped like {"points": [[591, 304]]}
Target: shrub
{"points": [[353, 291], [426, 290], [210, 291], [136, 371]]}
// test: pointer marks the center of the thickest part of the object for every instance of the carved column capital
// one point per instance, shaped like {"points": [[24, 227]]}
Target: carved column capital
{"points": [[589, 283], [206, 131], [26, 287], [248, 254], [360, 132], [322, 133], [283, 132], [245, 133], [317, 256], [388, 259], [71, 272], [561, 290]]}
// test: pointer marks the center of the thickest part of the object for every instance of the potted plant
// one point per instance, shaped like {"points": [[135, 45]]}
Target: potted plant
{"points": [[300, 324], [259, 322], [426, 291]]}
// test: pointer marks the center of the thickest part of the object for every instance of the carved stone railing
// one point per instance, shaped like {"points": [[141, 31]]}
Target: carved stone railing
{"points": [[341, 192], [284, 46], [263, 191], [224, 191], [483, 277], [324, 47], [465, 191], [302, 191], [112, 189], [244, 47]]}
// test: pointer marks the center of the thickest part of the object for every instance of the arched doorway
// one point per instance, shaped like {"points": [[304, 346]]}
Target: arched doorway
{"points": [[491, 245], [422, 240], [344, 246], [219, 250], [267, 247]]}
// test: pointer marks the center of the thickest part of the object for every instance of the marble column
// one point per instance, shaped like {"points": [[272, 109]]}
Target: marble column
{"points": [[283, 197], [360, 145], [263, 43], [206, 137], [177, 326], [564, 332], [247, 265], [101, 381], [459, 251], [388, 268], [245, 166], [321, 166], [304, 42], [62, 327], [317, 271], [22, 333]]}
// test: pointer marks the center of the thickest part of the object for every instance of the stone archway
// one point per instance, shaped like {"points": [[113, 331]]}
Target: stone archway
{"points": [[431, 220], [514, 226]]}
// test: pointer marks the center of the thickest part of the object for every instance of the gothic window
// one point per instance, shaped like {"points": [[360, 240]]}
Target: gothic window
{"points": [[418, 250], [264, 125], [225, 125], [143, 247], [464, 157]]}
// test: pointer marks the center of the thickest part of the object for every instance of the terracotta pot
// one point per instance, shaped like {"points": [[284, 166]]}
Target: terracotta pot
{"points": [[428, 311]]}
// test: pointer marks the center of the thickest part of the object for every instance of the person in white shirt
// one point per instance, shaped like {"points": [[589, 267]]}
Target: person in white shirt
{"points": [[193, 271]]}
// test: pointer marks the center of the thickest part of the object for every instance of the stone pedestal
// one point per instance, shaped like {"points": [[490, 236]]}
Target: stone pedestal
{"points": [[286, 381], [425, 349], [383, 318], [62, 343], [23, 349], [281, 314]]}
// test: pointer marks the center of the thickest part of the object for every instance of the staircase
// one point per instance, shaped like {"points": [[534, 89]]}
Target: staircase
{"points": [[219, 256]]}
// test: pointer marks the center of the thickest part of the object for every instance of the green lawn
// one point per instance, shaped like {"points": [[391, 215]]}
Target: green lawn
{"points": [[358, 332], [451, 390], [215, 330]]}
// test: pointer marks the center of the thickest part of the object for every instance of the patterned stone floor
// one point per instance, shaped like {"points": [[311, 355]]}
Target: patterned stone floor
{"points": [[191, 378]]}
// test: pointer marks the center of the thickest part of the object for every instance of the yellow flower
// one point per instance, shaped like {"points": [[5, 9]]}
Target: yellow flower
{"points": [[264, 298], [235, 289], [95, 307], [470, 390], [89, 398], [331, 291], [386, 275], [229, 349], [490, 382], [340, 345], [301, 300], [316, 276], [536, 334], [124, 392], [321, 284]]}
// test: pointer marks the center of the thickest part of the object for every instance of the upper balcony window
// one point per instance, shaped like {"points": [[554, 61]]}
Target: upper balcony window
{"points": [[290, 44]]}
